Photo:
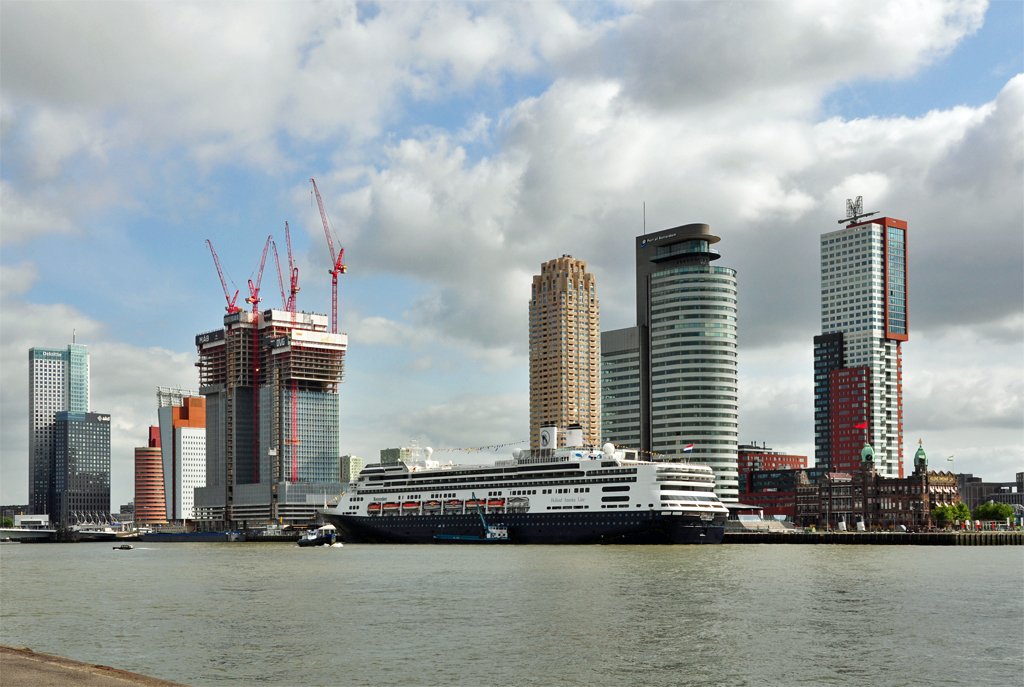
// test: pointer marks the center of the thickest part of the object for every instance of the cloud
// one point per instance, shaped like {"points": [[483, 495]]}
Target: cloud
{"points": [[26, 218], [771, 55]]}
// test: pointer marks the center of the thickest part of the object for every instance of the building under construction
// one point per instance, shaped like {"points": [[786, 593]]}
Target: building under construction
{"points": [[272, 455]]}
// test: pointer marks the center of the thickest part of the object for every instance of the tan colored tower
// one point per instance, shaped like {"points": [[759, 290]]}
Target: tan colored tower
{"points": [[565, 351]]}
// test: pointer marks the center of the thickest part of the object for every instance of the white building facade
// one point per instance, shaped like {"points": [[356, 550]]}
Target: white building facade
{"points": [[863, 323]]}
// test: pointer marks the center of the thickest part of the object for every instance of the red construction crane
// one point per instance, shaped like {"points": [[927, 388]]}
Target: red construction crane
{"points": [[231, 307], [293, 272], [338, 261], [254, 298], [280, 279]]}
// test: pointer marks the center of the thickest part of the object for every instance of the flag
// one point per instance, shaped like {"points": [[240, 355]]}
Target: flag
{"points": [[688, 449], [861, 426]]}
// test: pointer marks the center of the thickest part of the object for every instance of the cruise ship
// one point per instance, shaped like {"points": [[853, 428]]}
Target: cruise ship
{"points": [[553, 496]]}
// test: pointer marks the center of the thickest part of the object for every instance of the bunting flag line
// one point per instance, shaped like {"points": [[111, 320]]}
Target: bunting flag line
{"points": [[480, 448]]}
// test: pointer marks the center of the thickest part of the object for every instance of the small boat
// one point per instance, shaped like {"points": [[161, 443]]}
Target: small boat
{"points": [[411, 507], [453, 506], [373, 509], [390, 508], [324, 536], [432, 507], [492, 534], [123, 547]]}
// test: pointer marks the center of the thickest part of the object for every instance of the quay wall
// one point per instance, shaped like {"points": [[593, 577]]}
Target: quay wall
{"points": [[879, 538]]}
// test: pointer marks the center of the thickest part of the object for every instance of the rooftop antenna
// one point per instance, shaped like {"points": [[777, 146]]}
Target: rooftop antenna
{"points": [[74, 334], [855, 210]]}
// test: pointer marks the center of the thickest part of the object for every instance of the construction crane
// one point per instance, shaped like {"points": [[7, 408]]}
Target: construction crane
{"points": [[280, 279], [231, 307], [254, 298], [293, 272], [337, 260]]}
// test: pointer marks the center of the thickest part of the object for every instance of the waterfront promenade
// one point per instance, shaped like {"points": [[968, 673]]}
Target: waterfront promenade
{"points": [[24, 667], [879, 538]]}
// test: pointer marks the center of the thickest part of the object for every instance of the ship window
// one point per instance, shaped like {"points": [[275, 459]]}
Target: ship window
{"points": [[615, 498], [614, 488]]}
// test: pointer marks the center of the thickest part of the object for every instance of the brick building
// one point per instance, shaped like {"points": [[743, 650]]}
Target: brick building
{"points": [[873, 499]]}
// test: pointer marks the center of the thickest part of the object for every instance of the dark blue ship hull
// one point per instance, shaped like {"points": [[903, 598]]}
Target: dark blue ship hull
{"points": [[636, 527]]}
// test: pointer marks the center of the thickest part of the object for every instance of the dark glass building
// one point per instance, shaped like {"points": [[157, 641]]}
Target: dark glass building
{"points": [[81, 469]]}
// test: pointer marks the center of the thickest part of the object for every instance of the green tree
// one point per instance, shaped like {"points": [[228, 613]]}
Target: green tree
{"points": [[960, 512], [942, 516], [6, 522], [993, 511]]}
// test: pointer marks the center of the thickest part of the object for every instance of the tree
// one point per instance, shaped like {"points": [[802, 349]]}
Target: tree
{"points": [[960, 512], [941, 515], [6, 522], [993, 511]]}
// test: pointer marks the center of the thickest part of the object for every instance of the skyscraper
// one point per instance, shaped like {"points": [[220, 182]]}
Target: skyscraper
{"points": [[858, 370], [620, 387], [81, 469], [150, 506], [686, 402], [182, 417], [565, 350], [273, 454], [58, 380]]}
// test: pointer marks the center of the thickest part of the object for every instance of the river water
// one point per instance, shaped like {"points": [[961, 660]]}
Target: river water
{"points": [[275, 614]]}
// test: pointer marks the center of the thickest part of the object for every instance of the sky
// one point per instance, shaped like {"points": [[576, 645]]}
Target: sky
{"points": [[459, 146]]}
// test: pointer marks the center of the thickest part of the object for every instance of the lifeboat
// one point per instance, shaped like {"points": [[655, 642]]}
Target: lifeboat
{"points": [[496, 503], [411, 507], [431, 506], [471, 504], [390, 508], [453, 506], [373, 509]]}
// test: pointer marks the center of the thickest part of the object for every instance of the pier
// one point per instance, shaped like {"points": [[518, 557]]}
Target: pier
{"points": [[879, 538]]}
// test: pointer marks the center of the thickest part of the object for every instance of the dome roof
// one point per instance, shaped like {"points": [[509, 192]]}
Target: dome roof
{"points": [[867, 454], [920, 458]]}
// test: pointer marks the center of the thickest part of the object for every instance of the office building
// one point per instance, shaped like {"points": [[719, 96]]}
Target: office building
{"points": [[858, 370], [351, 466], [620, 387], [58, 380], [182, 417], [149, 505], [686, 346], [774, 491], [565, 350], [81, 469], [273, 455]]}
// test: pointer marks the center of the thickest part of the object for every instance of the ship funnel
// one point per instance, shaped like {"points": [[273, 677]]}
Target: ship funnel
{"points": [[574, 436], [548, 438]]}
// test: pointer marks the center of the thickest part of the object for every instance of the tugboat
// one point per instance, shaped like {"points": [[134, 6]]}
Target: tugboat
{"points": [[324, 536], [492, 534]]}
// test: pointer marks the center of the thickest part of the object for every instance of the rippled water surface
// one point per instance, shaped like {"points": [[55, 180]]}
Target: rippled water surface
{"points": [[275, 614]]}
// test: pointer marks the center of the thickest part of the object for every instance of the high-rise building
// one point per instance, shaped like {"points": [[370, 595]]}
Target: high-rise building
{"points": [[351, 466], [183, 444], [686, 346], [149, 504], [81, 469], [620, 387], [565, 350], [58, 380], [858, 370], [273, 455]]}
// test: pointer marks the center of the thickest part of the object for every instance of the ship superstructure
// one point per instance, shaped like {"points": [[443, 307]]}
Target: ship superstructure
{"points": [[564, 496]]}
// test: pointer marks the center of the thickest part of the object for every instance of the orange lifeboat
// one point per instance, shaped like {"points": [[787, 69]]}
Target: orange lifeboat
{"points": [[373, 509]]}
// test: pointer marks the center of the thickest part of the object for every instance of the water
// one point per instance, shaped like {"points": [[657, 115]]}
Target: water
{"points": [[736, 615]]}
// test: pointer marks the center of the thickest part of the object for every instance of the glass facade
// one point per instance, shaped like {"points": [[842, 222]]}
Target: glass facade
{"points": [[81, 476], [693, 369], [620, 387], [896, 272]]}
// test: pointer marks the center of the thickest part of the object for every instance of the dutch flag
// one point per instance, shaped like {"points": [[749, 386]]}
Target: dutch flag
{"points": [[688, 449]]}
